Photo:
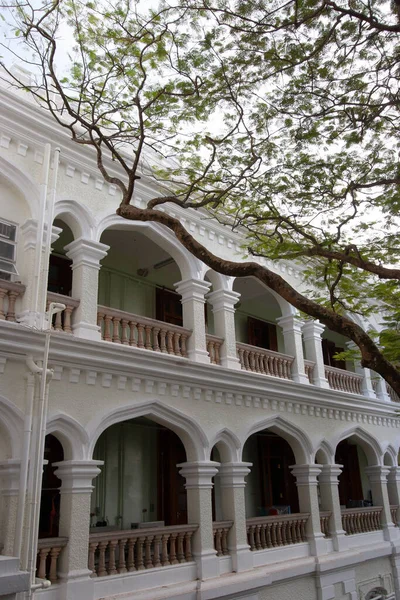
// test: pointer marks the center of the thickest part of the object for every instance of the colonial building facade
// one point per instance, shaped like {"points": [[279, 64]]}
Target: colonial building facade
{"points": [[201, 442]]}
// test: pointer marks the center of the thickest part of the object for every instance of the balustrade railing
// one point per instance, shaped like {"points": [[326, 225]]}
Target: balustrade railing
{"points": [[141, 332], [361, 520], [214, 344], [138, 549], [267, 362], [393, 512], [309, 369], [392, 394], [9, 293], [49, 550], [342, 380], [62, 320], [220, 531], [275, 531], [324, 517]]}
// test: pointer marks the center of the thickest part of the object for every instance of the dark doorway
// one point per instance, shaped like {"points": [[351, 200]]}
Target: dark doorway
{"points": [[168, 306], [172, 502], [50, 498], [350, 488], [262, 334]]}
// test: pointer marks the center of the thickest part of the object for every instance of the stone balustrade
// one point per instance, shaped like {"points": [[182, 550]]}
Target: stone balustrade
{"points": [[62, 320], [9, 293], [214, 344], [141, 332], [267, 362], [392, 394], [324, 517], [309, 369], [130, 550], [361, 520], [275, 531], [221, 530], [49, 550], [393, 512], [344, 381]]}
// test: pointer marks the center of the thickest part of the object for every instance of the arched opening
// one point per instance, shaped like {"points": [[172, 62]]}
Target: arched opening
{"points": [[50, 498], [139, 484], [271, 487], [354, 486], [60, 273], [332, 344]]}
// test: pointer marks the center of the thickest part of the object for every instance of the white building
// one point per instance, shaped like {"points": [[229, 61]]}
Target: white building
{"points": [[196, 426]]}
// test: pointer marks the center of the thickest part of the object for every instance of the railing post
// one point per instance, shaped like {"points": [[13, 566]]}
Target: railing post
{"points": [[312, 332], [307, 488], [377, 476], [393, 486], [223, 307], [199, 484], [329, 491], [381, 390], [193, 292], [232, 479], [291, 327], [9, 475], [76, 488], [86, 256]]}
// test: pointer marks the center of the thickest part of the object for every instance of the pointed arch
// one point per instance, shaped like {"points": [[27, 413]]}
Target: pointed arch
{"points": [[25, 184], [228, 445], [76, 216], [325, 454], [390, 456], [296, 438], [71, 434], [189, 266], [11, 427], [190, 433], [367, 441], [286, 308], [218, 281]]}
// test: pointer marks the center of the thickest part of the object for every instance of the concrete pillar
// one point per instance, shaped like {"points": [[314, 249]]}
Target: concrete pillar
{"points": [[307, 488], [367, 389], [193, 292], [291, 327], [223, 306], [381, 389], [198, 477], [393, 486], [377, 476], [76, 488], [312, 332], [9, 475], [232, 478], [329, 494], [86, 256]]}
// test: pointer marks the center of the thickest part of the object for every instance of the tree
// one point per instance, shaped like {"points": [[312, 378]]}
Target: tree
{"points": [[282, 121]]}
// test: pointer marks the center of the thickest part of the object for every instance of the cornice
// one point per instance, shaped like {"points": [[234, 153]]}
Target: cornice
{"points": [[122, 367]]}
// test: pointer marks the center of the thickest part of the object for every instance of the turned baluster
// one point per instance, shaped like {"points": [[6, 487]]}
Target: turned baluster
{"points": [[252, 358], [303, 530], [241, 358], [211, 352], [289, 533], [274, 366], [156, 551], [164, 550], [156, 346], [124, 332], [148, 344], [112, 570], [268, 535], [172, 549], [283, 532], [217, 354], [116, 337], [177, 349], [139, 554], [100, 319], [246, 356], [224, 541], [257, 537], [140, 341], [3, 294], [101, 571], [67, 319], [273, 534], [263, 538], [43, 553], [132, 338], [298, 531], [163, 345], [54, 554], [131, 555], [91, 561], [12, 296], [188, 546], [279, 534], [58, 322], [170, 346], [184, 338], [107, 328], [121, 556], [217, 542], [180, 553], [148, 563]]}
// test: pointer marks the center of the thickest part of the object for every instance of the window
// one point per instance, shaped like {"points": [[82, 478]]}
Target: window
{"points": [[329, 349], [8, 234], [262, 334], [168, 306], [377, 594]]}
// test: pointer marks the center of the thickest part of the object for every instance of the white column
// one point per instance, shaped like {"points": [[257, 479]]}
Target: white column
{"points": [[223, 306], [307, 488], [198, 477], [86, 256], [381, 389], [76, 488], [193, 292], [291, 327], [393, 485], [9, 475], [377, 476], [329, 491], [312, 332], [232, 477], [367, 389]]}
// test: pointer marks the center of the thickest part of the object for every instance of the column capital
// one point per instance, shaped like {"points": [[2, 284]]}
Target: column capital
{"points": [[306, 474], [290, 323], [377, 473], [29, 232], [192, 289], [330, 474], [223, 300], [9, 473], [77, 475], [86, 253], [312, 329], [198, 474], [394, 474], [232, 475]]}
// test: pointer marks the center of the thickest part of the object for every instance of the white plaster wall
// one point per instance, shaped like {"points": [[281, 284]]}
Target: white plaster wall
{"points": [[298, 589]]}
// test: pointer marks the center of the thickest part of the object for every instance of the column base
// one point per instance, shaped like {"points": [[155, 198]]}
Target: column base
{"points": [[340, 541], [230, 362], [391, 533], [76, 584], [200, 356], [321, 382], [87, 331], [207, 564], [242, 558], [301, 378], [317, 544], [32, 319]]}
